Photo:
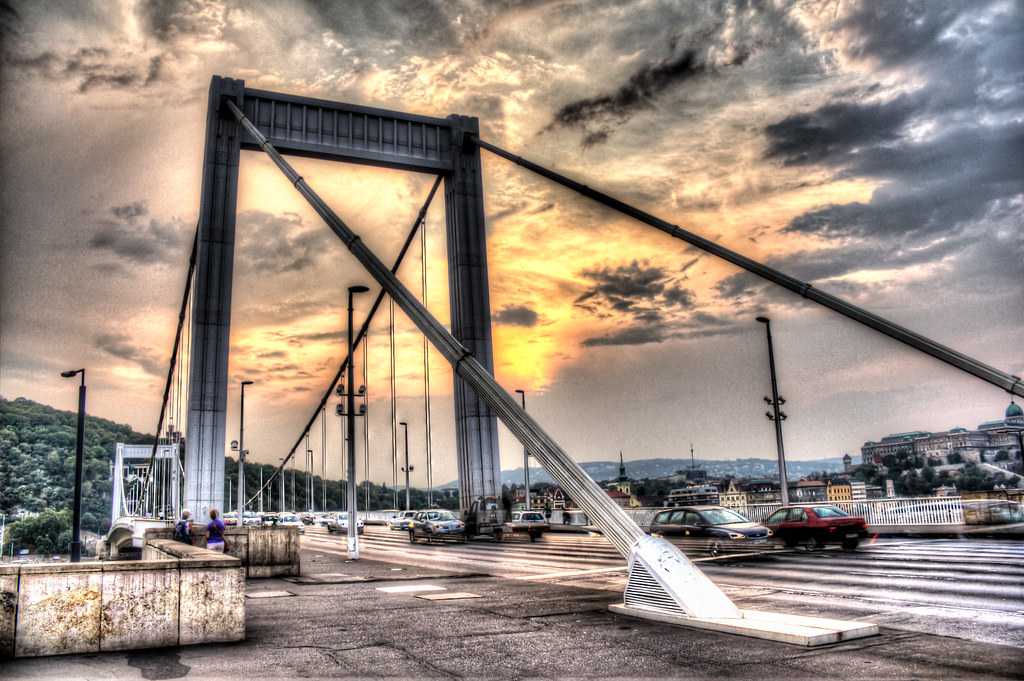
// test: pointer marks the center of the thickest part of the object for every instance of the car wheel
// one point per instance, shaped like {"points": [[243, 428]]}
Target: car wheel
{"points": [[851, 544], [715, 549]]}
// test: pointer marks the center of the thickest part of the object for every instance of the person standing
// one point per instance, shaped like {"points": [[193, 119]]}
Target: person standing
{"points": [[215, 532], [183, 528]]}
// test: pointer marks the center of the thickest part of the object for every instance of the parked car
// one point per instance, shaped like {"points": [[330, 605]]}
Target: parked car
{"points": [[715, 529], [817, 526], [532, 523], [403, 521], [268, 519], [338, 522], [290, 520], [231, 518], [437, 525], [252, 518]]}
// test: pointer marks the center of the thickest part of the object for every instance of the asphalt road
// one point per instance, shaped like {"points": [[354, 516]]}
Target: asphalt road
{"points": [[965, 588]]}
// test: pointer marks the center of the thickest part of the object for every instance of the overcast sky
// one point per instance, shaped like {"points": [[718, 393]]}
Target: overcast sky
{"points": [[873, 148]]}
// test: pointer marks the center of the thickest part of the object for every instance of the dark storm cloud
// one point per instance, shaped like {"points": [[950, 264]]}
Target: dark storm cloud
{"points": [[517, 315], [598, 116], [421, 26], [170, 19], [633, 288], [897, 33], [120, 345], [831, 133], [635, 335], [270, 243], [129, 237], [90, 68]]}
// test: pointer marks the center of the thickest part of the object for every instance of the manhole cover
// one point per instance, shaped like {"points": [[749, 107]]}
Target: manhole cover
{"points": [[452, 596], [269, 594]]}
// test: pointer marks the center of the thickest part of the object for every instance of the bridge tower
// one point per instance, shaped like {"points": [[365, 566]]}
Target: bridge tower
{"points": [[353, 134]]}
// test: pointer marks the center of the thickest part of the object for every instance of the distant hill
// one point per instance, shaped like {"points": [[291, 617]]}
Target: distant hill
{"points": [[659, 468], [37, 460]]}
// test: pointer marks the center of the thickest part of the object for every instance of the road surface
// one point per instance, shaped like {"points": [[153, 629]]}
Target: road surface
{"points": [[966, 588]]}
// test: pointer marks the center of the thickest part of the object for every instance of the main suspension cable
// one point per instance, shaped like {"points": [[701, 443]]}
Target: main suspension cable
{"points": [[1001, 379]]}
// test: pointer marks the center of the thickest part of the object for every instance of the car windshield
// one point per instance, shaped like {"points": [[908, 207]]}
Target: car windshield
{"points": [[443, 516], [722, 516], [532, 516], [828, 512], [288, 519]]}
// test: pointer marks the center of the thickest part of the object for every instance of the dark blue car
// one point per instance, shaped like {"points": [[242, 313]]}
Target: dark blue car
{"points": [[714, 529]]}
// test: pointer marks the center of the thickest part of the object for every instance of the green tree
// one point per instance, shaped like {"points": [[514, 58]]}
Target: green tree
{"points": [[47, 532], [955, 457]]}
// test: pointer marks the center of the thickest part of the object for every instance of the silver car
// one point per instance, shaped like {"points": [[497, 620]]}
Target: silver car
{"points": [[338, 522]]}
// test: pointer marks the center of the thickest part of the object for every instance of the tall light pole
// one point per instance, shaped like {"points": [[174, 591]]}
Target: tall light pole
{"points": [[309, 479], [282, 509], [776, 414], [241, 453], [526, 457], [76, 512], [350, 430], [407, 468]]}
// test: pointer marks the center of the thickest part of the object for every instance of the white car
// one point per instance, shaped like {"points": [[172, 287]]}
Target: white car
{"points": [[290, 520], [402, 521], [338, 522]]}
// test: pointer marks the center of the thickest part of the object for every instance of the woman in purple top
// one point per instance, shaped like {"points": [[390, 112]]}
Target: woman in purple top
{"points": [[215, 532]]}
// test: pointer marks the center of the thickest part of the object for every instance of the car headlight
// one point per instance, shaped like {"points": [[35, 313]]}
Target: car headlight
{"points": [[770, 533], [737, 535]]}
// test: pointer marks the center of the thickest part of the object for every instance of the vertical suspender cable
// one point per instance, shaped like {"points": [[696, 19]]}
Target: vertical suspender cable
{"points": [[394, 402], [366, 424], [363, 330], [426, 367], [323, 457], [174, 355]]}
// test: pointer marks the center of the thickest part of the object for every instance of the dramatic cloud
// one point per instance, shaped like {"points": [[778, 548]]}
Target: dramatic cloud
{"points": [[517, 315], [599, 116], [270, 243], [637, 288], [121, 346], [129, 237], [91, 68]]}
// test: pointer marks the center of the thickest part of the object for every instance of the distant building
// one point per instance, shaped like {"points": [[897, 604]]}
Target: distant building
{"points": [[981, 445], [732, 496], [858, 490], [623, 499], [694, 495], [808, 491], [762, 492], [847, 463], [890, 488], [622, 483], [839, 491]]}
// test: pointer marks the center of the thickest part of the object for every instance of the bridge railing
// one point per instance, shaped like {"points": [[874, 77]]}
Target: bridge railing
{"points": [[901, 511]]}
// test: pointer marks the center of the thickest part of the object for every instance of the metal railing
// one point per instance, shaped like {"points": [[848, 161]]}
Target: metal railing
{"points": [[900, 511]]}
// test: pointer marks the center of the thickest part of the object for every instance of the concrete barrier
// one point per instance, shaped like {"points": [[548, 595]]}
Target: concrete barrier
{"points": [[263, 551], [176, 595]]}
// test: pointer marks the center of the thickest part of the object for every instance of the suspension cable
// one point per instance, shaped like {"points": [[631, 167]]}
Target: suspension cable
{"points": [[174, 357], [1001, 379], [363, 330]]}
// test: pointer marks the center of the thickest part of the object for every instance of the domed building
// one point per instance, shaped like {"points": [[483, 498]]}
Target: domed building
{"points": [[997, 442]]}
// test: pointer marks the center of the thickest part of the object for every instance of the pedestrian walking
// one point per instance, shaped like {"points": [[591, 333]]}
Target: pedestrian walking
{"points": [[183, 528], [215, 540]]}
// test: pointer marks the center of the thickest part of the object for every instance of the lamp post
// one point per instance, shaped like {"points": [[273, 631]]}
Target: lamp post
{"points": [[309, 479], [526, 457], [76, 513], [406, 468], [241, 453], [350, 430], [776, 415]]}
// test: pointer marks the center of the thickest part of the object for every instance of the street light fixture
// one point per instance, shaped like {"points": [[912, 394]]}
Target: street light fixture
{"points": [[76, 513], [407, 468], [526, 456], [241, 453], [776, 415]]}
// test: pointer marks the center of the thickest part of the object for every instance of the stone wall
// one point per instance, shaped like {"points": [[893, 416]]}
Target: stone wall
{"points": [[264, 551], [176, 595]]}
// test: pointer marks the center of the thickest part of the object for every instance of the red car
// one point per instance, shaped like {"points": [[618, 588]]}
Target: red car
{"points": [[817, 526]]}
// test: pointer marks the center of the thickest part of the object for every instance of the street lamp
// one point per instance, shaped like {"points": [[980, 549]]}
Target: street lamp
{"points": [[776, 415], [350, 429], [407, 468], [526, 456], [76, 513], [241, 453], [309, 480]]}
